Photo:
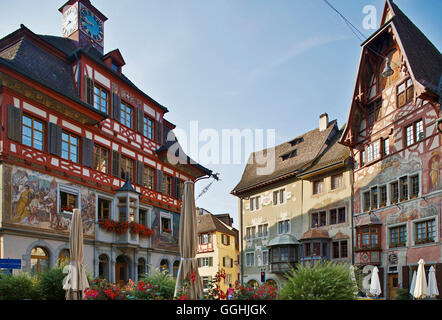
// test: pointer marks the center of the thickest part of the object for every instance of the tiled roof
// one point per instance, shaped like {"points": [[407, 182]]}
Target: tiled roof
{"points": [[209, 223], [309, 146], [315, 233]]}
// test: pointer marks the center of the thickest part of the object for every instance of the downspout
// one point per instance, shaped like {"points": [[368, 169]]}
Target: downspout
{"points": [[351, 165], [241, 241]]}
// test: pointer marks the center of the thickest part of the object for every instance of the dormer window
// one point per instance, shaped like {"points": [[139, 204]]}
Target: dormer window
{"points": [[296, 141], [115, 67], [289, 155]]}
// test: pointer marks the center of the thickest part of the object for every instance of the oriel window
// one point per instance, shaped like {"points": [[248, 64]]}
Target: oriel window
{"points": [[33, 133]]}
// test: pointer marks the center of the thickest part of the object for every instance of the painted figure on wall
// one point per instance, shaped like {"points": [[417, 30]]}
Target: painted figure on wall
{"points": [[34, 202], [435, 172]]}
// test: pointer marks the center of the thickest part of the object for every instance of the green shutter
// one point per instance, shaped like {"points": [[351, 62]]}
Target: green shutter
{"points": [[116, 107], [54, 139], [89, 91], [88, 152], [159, 181], [116, 163], [140, 173]]}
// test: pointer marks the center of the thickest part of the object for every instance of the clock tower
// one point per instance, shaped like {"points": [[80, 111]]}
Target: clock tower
{"points": [[83, 23]]}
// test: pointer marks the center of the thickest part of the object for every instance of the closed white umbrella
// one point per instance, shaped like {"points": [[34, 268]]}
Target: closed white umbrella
{"points": [[432, 284], [375, 285], [421, 290], [76, 281], [413, 283]]}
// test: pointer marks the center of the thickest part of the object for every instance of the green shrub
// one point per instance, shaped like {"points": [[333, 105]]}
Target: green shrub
{"points": [[50, 284], [163, 282], [18, 287], [402, 294], [323, 281]]}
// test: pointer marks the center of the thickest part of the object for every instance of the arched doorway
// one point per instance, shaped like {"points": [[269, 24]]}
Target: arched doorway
{"points": [[103, 267], [176, 266], [121, 270], [39, 260], [253, 284], [141, 268], [164, 266]]}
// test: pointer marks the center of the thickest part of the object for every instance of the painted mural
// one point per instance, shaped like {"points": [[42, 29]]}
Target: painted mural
{"points": [[34, 202]]}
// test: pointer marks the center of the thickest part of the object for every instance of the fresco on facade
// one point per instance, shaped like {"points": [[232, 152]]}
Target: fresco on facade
{"points": [[435, 168], [34, 203]]}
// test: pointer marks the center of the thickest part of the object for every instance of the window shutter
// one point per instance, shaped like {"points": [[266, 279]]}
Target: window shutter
{"points": [[140, 120], [89, 91], [166, 131], [116, 107], [159, 128], [116, 163], [54, 139], [176, 186], [140, 173], [224, 261], [231, 262], [14, 123], [210, 261], [405, 277], [199, 262], [88, 152], [159, 181]]}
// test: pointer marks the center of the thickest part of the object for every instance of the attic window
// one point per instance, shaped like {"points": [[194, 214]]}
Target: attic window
{"points": [[296, 141], [115, 67], [290, 155]]}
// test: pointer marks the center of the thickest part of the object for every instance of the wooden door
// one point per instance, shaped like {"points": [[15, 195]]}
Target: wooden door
{"points": [[393, 285], [121, 273]]}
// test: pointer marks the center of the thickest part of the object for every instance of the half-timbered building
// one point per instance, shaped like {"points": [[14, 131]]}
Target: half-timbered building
{"points": [[77, 133], [393, 136]]}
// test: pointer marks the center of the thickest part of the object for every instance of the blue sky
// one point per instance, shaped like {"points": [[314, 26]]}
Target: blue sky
{"points": [[235, 64]]}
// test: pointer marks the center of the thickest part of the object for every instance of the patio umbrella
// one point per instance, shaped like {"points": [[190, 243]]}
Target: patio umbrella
{"points": [[76, 281], [421, 290], [432, 283], [188, 246], [375, 285], [413, 283]]}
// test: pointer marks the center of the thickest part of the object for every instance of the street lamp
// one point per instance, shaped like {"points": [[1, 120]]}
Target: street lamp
{"points": [[388, 71]]}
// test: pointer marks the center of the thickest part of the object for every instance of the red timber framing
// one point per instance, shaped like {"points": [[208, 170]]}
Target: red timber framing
{"points": [[114, 136]]}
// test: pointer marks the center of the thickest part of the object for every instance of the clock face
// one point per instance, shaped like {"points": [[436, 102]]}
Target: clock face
{"points": [[91, 25], [70, 21]]}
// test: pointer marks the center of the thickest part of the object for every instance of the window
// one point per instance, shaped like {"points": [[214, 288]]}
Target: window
{"points": [[127, 168], [366, 201], [398, 236], [425, 231], [363, 157], [336, 182], [403, 183], [289, 155], [414, 185], [68, 202], [340, 249], [250, 232], [103, 209], [284, 226], [316, 249], [279, 197], [205, 262], [148, 128], [227, 262], [149, 176], [374, 198], [373, 151], [115, 67], [205, 238], [250, 259], [370, 153], [69, 147], [405, 93], [101, 159], [33, 133], [385, 147], [318, 186], [263, 230], [333, 217], [315, 220], [122, 210], [307, 249], [166, 225], [143, 217], [374, 112], [394, 191], [341, 215], [255, 203], [167, 184], [100, 99], [382, 196], [180, 188], [225, 239], [368, 238], [322, 218], [265, 257], [126, 115], [414, 133]]}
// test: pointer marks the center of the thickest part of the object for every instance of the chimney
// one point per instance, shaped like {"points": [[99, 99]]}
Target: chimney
{"points": [[323, 122]]}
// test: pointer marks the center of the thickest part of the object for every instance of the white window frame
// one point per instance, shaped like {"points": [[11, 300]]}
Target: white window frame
{"points": [[107, 198], [166, 215], [252, 260], [289, 226], [70, 190]]}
